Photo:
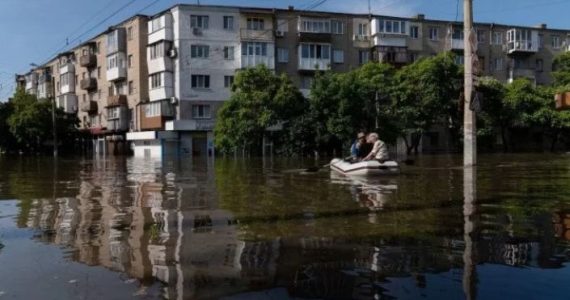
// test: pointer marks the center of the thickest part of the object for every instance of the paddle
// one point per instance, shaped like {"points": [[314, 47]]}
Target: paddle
{"points": [[316, 169]]}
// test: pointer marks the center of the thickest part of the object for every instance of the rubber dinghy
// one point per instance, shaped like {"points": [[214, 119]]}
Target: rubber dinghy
{"points": [[365, 168]]}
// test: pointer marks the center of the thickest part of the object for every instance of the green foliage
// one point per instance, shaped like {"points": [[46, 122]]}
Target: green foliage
{"points": [[7, 142], [30, 122], [260, 99], [561, 71], [426, 93]]}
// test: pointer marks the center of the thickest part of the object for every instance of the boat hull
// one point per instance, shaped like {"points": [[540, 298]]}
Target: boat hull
{"points": [[365, 168]]}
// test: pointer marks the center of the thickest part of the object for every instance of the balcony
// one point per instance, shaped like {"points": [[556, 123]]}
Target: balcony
{"points": [[393, 55], [522, 41], [116, 41], [88, 84], [314, 64], [117, 119], [67, 68], [456, 44], [256, 35], [155, 121], [389, 40], [164, 33], [67, 102], [88, 106], [116, 69], [117, 100], [88, 60], [161, 93], [315, 37], [361, 41], [250, 61]]}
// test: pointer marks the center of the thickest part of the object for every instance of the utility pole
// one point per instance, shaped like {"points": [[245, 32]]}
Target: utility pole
{"points": [[469, 118]]}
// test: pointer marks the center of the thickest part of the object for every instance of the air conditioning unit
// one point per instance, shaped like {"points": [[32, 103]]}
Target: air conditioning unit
{"points": [[279, 33], [173, 100], [172, 53], [197, 31]]}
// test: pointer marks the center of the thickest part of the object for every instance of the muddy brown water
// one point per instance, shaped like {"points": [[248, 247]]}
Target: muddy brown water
{"points": [[126, 228]]}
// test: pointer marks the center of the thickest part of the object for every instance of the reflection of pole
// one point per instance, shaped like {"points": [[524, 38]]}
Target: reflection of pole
{"points": [[469, 125], [469, 198]]}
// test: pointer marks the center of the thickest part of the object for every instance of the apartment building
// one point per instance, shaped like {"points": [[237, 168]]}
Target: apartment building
{"points": [[154, 84]]}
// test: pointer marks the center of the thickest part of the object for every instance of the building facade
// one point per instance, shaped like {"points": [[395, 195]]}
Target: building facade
{"points": [[154, 84]]}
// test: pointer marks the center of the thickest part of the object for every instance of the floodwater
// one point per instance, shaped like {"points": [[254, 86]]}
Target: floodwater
{"points": [[124, 228]]}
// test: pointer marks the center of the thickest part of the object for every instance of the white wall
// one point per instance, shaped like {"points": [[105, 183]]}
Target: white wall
{"points": [[153, 146], [215, 66]]}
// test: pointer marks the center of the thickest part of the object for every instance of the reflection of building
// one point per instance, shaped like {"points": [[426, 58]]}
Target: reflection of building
{"points": [[561, 222]]}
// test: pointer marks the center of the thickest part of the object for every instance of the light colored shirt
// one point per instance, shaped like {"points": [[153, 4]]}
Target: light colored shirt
{"points": [[380, 150]]}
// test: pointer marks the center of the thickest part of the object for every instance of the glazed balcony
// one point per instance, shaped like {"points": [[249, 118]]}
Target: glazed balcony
{"points": [[250, 61], [117, 100], [67, 68], [88, 60], [88, 84], [522, 41], [67, 102], [163, 30]]}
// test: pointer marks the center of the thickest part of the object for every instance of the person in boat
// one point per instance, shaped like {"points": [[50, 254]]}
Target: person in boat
{"points": [[360, 148], [379, 149]]}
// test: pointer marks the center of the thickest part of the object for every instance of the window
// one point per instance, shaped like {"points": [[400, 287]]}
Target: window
{"points": [[199, 21], [337, 27], [540, 41], [539, 65], [152, 109], [497, 38], [93, 120], [98, 72], [156, 24], [155, 80], [307, 82], [228, 81], [363, 56], [229, 52], [130, 61], [121, 86], [317, 26], [156, 50], [254, 48], [98, 47], [414, 32], [459, 60], [282, 55], [317, 51], [129, 33], [200, 81], [228, 23], [111, 90], [255, 24], [131, 88], [363, 29], [199, 51], [115, 61], [338, 56], [497, 64], [113, 113], [392, 26], [433, 33], [201, 111], [481, 36], [556, 42]]}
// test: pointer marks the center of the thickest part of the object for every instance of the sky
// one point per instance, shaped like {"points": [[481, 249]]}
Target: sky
{"points": [[31, 31]]}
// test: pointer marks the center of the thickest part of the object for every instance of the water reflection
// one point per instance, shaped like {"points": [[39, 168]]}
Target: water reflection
{"points": [[242, 229]]}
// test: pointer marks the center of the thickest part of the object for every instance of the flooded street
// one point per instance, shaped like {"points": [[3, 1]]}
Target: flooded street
{"points": [[261, 229]]}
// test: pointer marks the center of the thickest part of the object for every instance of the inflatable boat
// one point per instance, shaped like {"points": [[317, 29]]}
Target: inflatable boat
{"points": [[365, 168]]}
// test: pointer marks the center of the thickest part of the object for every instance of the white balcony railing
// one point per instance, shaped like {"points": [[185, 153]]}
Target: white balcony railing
{"points": [[314, 64], [390, 40], [457, 44], [523, 46], [250, 61]]}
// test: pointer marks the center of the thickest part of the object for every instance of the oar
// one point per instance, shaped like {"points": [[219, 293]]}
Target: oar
{"points": [[316, 169]]}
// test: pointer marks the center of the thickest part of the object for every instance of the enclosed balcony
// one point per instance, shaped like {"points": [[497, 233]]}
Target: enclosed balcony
{"points": [[116, 41], [153, 115], [67, 67], [522, 41], [67, 102], [116, 66], [88, 106], [389, 32], [88, 84], [117, 100], [314, 56], [88, 60], [250, 61], [393, 55], [314, 30], [117, 119], [160, 29]]}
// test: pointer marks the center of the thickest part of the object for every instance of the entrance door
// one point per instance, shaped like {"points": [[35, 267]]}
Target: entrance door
{"points": [[199, 144]]}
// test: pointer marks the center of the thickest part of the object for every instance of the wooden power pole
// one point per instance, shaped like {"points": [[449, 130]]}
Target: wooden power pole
{"points": [[469, 119]]}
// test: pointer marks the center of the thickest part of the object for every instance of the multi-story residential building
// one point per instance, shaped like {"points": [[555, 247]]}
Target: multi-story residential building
{"points": [[163, 78]]}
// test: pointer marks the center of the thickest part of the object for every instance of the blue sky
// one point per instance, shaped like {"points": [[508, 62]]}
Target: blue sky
{"points": [[32, 30]]}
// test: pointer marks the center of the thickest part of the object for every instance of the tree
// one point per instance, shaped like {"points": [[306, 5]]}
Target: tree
{"points": [[497, 114], [7, 140], [426, 93], [260, 99], [31, 122], [561, 72]]}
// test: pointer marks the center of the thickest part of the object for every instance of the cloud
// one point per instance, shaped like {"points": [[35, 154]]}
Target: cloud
{"points": [[400, 8]]}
